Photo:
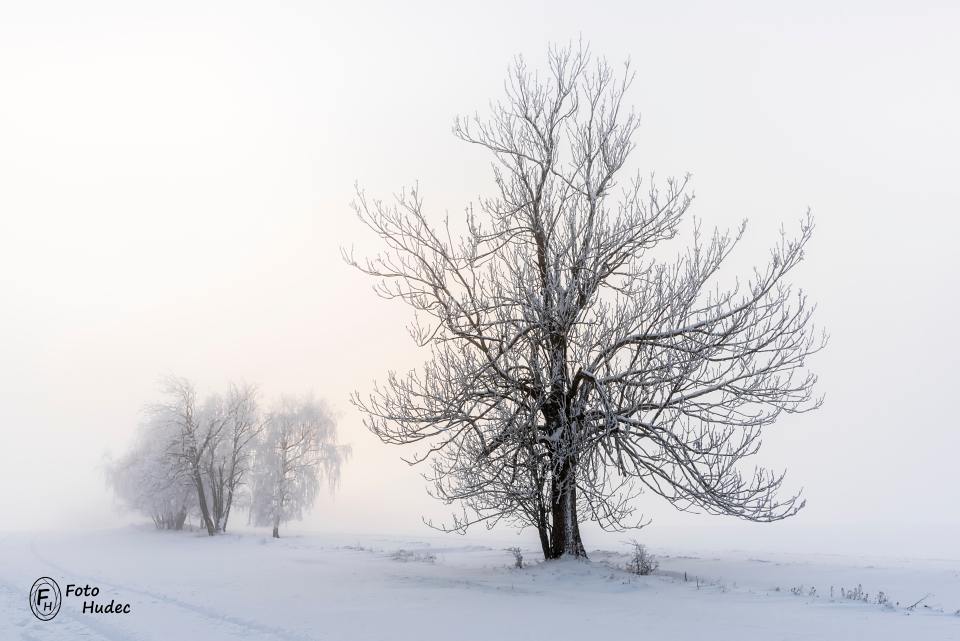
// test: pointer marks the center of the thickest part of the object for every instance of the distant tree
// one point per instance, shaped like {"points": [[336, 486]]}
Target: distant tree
{"points": [[571, 367], [196, 432], [298, 447], [147, 480], [227, 462]]}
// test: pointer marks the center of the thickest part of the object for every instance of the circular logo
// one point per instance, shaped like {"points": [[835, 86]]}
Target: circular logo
{"points": [[45, 598]]}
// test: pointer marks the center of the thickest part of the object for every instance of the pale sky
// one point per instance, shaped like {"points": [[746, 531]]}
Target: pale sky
{"points": [[175, 181]]}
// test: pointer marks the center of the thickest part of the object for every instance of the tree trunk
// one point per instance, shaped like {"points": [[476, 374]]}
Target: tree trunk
{"points": [[226, 509], [202, 499], [232, 482], [216, 496], [181, 518], [565, 533], [544, 531], [542, 515], [276, 528]]}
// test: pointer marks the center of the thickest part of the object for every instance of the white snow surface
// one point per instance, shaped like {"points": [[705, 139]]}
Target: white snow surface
{"points": [[186, 586]]}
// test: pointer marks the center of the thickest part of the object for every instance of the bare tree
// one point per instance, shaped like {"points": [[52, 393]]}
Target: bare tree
{"points": [[197, 432], [228, 460], [570, 367], [245, 427], [299, 446]]}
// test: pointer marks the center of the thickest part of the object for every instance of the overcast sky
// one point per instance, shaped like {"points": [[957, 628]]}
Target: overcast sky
{"points": [[175, 183]]}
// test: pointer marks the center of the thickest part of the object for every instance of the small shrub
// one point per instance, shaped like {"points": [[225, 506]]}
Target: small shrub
{"points": [[856, 594], [642, 562], [517, 557], [408, 555]]}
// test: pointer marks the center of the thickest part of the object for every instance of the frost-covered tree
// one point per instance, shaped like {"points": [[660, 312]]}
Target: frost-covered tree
{"points": [[571, 364], [147, 480], [228, 461], [196, 430], [297, 449]]}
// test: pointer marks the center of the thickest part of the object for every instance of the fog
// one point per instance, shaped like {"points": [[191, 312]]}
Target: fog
{"points": [[174, 193]]}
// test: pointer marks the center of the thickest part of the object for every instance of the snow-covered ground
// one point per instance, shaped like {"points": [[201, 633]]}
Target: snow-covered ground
{"points": [[187, 586]]}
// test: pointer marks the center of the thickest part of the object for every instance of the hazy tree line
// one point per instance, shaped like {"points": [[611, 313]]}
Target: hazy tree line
{"points": [[207, 457]]}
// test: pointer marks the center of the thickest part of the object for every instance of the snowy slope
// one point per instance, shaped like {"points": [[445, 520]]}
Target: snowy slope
{"points": [[187, 586]]}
